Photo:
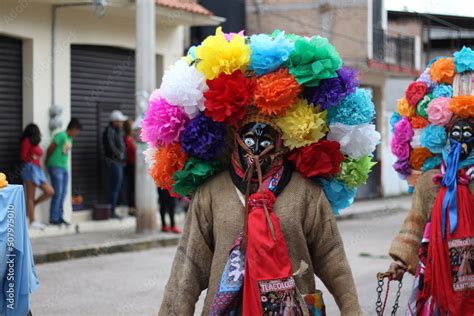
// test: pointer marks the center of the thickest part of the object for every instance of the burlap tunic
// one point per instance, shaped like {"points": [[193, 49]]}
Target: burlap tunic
{"points": [[216, 218], [406, 244]]}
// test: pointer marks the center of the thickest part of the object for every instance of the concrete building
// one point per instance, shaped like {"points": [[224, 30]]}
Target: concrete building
{"points": [[78, 55]]}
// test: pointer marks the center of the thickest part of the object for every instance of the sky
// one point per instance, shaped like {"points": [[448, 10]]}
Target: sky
{"points": [[446, 7]]}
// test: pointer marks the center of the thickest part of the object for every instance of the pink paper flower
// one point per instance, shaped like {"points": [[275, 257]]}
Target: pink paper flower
{"points": [[402, 131], [438, 111], [400, 149], [163, 122], [228, 36]]}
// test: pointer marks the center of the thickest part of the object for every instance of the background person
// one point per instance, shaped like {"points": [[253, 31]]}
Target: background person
{"points": [[32, 173], [115, 156], [57, 162], [167, 206], [129, 169]]}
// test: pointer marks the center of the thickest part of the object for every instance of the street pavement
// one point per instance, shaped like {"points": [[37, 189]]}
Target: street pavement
{"points": [[132, 283]]}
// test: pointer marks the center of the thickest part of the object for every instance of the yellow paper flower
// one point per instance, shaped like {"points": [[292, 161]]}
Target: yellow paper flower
{"points": [[216, 55], [302, 125], [3, 180], [405, 109]]}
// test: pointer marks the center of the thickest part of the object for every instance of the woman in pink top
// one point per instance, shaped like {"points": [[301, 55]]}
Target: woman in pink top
{"points": [[32, 173]]}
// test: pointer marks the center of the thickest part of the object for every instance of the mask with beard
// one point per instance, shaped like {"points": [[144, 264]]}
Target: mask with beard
{"points": [[462, 131], [257, 137]]}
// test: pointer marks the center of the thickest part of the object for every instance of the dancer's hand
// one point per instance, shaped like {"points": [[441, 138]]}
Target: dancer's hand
{"points": [[397, 269]]}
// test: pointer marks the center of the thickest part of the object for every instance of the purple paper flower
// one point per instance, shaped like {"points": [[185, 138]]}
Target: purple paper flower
{"points": [[402, 131], [331, 91], [203, 138], [402, 167]]}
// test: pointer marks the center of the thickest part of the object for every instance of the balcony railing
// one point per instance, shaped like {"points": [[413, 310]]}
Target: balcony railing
{"points": [[393, 49]]}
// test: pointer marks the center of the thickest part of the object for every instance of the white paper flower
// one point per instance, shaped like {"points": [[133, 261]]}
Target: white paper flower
{"points": [[150, 156], [416, 140], [183, 85], [356, 140]]}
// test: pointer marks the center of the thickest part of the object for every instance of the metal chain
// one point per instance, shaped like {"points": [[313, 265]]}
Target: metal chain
{"points": [[379, 303], [395, 305]]}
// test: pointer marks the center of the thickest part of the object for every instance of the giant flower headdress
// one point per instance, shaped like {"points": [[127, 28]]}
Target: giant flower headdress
{"points": [[420, 122], [325, 119]]}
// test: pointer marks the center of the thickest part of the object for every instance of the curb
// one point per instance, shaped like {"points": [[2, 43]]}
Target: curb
{"points": [[104, 249]]}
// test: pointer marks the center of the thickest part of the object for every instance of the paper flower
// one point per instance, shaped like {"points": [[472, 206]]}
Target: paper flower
{"points": [[268, 53], [438, 111], [431, 163], [163, 122], [418, 157], [302, 125], [462, 106], [322, 159], [355, 140], [443, 70], [194, 173], [394, 120], [276, 92], [331, 91], [423, 104], [357, 108], [216, 55], [355, 172], [338, 195], [168, 159], [434, 138], [313, 60], [415, 92], [416, 139], [399, 149], [418, 122], [203, 138], [405, 109], [403, 131], [425, 77], [464, 59], [402, 167], [442, 90], [228, 96], [184, 86], [149, 154], [229, 36]]}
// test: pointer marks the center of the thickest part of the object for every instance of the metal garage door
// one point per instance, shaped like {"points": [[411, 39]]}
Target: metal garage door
{"points": [[102, 80], [11, 106]]}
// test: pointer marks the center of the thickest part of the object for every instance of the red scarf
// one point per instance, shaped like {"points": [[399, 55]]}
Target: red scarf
{"points": [[448, 266]]}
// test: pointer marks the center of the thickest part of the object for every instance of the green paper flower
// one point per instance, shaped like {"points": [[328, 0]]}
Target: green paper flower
{"points": [[313, 60], [291, 37], [194, 173], [355, 172], [423, 105]]}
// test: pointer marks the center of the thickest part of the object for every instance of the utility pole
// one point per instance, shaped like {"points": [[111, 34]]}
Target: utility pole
{"points": [[145, 190]]}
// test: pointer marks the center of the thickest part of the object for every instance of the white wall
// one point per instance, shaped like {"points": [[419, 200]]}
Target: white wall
{"points": [[32, 23]]}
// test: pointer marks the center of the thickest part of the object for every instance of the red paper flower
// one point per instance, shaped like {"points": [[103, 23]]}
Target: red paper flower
{"points": [[227, 97], [415, 92], [321, 159], [418, 122]]}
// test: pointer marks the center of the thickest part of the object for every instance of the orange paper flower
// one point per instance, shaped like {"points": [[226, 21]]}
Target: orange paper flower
{"points": [[418, 157], [462, 106], [418, 122], [443, 70], [405, 109], [168, 160], [276, 92]]}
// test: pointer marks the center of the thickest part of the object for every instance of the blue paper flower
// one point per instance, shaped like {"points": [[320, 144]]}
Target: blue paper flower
{"points": [[434, 138], [464, 59], [394, 120], [203, 138], [442, 90], [338, 194], [268, 53], [357, 108], [431, 163]]}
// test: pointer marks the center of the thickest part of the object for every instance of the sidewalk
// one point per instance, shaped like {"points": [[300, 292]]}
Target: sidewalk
{"points": [[94, 238]]}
